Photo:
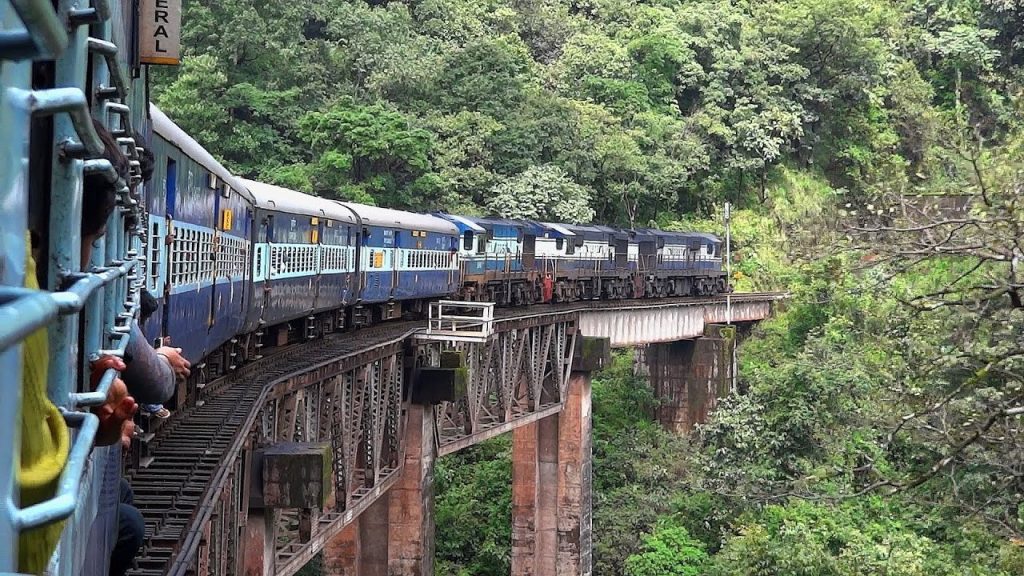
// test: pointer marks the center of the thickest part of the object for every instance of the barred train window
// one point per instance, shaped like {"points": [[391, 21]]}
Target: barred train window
{"points": [[191, 256], [155, 241], [231, 256], [259, 259]]}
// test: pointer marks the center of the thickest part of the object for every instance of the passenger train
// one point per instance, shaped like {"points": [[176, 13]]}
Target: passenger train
{"points": [[238, 265], [235, 265]]}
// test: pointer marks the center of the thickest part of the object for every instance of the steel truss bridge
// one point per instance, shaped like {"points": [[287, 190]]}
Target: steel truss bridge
{"points": [[203, 486]]}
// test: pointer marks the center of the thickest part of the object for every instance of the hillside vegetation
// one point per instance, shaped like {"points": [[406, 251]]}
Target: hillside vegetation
{"points": [[878, 428]]}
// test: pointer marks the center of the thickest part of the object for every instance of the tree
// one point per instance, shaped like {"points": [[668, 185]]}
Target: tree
{"points": [[373, 149], [669, 551], [541, 193], [961, 261]]}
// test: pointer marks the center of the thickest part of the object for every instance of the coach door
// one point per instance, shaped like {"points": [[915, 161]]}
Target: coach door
{"points": [[263, 263], [396, 260], [170, 197], [217, 255], [647, 256]]}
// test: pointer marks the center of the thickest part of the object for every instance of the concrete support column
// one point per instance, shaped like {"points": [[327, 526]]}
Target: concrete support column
{"points": [[361, 549], [575, 478], [259, 548], [394, 536], [552, 480], [546, 532], [689, 376], [373, 539], [524, 499], [343, 553]]}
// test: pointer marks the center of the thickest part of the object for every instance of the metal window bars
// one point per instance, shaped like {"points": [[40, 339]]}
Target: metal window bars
{"points": [[106, 294]]}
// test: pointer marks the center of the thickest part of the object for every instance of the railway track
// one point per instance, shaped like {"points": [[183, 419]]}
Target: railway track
{"points": [[188, 452]]}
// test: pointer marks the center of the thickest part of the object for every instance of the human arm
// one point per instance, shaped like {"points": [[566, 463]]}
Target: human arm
{"points": [[148, 375]]}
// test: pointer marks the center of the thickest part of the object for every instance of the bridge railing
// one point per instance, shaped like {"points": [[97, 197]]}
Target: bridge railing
{"points": [[452, 320]]}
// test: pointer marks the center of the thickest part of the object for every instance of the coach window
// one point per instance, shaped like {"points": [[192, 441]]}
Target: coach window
{"points": [[481, 244], [559, 243], [467, 240]]}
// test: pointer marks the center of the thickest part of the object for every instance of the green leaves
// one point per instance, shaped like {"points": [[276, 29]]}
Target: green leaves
{"points": [[658, 108], [372, 149], [669, 551], [544, 193]]}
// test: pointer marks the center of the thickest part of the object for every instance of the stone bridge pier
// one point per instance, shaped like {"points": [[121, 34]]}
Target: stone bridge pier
{"points": [[552, 480], [689, 377], [395, 535]]}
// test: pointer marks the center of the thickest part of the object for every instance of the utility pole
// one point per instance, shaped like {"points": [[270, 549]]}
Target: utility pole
{"points": [[728, 264], [728, 293]]}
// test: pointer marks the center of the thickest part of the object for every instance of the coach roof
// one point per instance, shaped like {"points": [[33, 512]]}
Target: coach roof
{"points": [[168, 130], [270, 197], [389, 218]]}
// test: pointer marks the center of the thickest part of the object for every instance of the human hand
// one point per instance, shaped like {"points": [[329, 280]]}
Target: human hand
{"points": [[178, 363], [101, 365], [116, 413], [127, 433]]}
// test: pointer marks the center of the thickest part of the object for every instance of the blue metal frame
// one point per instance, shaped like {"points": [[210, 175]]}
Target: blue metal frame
{"points": [[107, 294]]}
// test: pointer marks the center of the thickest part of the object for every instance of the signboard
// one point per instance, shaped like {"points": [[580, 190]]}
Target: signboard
{"points": [[160, 32]]}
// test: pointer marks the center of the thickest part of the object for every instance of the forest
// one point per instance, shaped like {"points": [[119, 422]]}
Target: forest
{"points": [[873, 151]]}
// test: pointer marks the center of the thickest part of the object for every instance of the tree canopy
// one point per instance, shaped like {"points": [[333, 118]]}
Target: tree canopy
{"points": [[655, 108]]}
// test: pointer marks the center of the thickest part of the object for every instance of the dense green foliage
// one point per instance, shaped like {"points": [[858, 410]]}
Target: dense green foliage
{"points": [[879, 426], [642, 109], [473, 509]]}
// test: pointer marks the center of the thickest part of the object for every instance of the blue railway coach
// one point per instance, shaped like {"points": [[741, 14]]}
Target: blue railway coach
{"points": [[498, 259], [304, 262], [406, 259], [199, 227]]}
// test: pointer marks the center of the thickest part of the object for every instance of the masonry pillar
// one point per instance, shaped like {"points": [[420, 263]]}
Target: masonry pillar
{"points": [[552, 479], [259, 549], [524, 499], [689, 376], [373, 538], [343, 553], [411, 510], [361, 548], [546, 551], [575, 480]]}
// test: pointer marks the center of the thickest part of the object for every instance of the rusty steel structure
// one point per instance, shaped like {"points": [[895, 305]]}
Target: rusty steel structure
{"points": [[518, 375], [350, 393]]}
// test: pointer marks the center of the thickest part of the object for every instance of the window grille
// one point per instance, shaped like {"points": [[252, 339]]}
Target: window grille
{"points": [[191, 255], [231, 256]]}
